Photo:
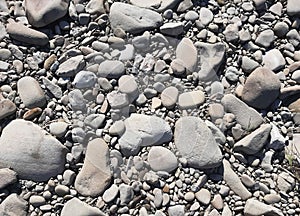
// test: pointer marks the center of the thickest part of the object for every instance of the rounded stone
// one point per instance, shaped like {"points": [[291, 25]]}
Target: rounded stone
{"points": [[162, 159], [261, 88]]}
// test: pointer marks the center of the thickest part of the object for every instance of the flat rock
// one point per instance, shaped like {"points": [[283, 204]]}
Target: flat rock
{"points": [[293, 8], [254, 207], [7, 177], [195, 142], [190, 100], [111, 69], [162, 159], [133, 19], [265, 38], [7, 108], [43, 12], [158, 5], [246, 116], [95, 175], [142, 130], [27, 35], [23, 142], [261, 88], [14, 205], [274, 60], [71, 66], [211, 58], [169, 97], [172, 29], [203, 196], [234, 182], [187, 53], [76, 207], [31, 93], [253, 143]]}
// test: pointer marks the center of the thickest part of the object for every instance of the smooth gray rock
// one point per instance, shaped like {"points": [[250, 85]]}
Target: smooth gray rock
{"points": [[7, 177], [274, 60], [265, 38], [126, 194], [246, 116], [7, 108], [95, 7], [133, 19], [187, 53], [195, 142], [142, 130], [172, 29], [158, 5], [205, 16], [176, 210], [77, 101], [211, 58], [261, 88], [95, 175], [203, 196], [190, 100], [162, 159], [14, 205], [129, 86], [23, 142], [293, 8], [254, 142], [169, 97], [54, 89], [43, 12], [27, 35], [31, 93], [71, 66], [58, 129], [111, 69], [248, 64], [75, 207], [111, 193], [85, 79], [254, 207], [234, 182]]}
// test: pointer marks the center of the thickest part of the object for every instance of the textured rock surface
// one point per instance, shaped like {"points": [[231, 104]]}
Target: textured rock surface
{"points": [[234, 182], [95, 174], [195, 143], [246, 116], [75, 207], [14, 205], [255, 208], [142, 130], [162, 159], [255, 141], [23, 142], [261, 88], [42, 12], [133, 19]]}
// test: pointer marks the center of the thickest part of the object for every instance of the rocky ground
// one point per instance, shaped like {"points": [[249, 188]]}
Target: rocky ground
{"points": [[161, 107]]}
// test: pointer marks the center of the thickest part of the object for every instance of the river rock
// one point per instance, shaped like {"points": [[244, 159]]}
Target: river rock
{"points": [[133, 19], [23, 142], [143, 130], [31, 93], [261, 88], [43, 12], [195, 142], [95, 175]]}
